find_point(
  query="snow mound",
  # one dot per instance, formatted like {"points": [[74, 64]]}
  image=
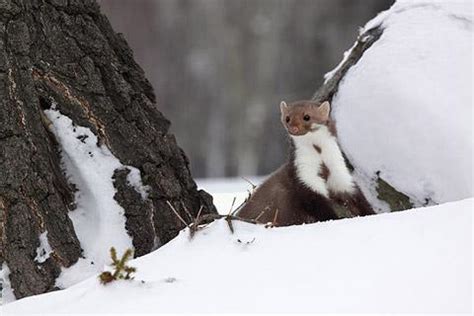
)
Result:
{"points": [[413, 261], [405, 109]]}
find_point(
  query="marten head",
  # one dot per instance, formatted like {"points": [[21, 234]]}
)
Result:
{"points": [[301, 117]]}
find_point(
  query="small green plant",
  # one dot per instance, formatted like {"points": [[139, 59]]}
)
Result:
{"points": [[121, 270]]}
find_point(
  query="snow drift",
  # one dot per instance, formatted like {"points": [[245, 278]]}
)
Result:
{"points": [[405, 109], [412, 261]]}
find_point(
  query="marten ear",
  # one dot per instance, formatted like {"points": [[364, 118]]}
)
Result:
{"points": [[283, 106], [324, 110]]}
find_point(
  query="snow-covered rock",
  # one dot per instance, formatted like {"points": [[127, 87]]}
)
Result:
{"points": [[412, 261], [405, 108]]}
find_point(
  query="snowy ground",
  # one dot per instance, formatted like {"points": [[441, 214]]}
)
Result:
{"points": [[412, 261]]}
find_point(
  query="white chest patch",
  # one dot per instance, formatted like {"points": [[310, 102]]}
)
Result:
{"points": [[308, 163]]}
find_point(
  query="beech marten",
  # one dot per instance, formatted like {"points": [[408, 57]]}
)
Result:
{"points": [[316, 179]]}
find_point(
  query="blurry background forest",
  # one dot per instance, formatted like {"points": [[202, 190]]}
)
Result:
{"points": [[220, 68]]}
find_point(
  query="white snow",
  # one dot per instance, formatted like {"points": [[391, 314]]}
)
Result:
{"points": [[7, 292], [225, 190], [98, 219], [405, 109], [134, 179], [412, 261], [44, 249], [331, 73]]}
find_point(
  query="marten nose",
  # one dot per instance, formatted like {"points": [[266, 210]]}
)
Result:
{"points": [[294, 129]]}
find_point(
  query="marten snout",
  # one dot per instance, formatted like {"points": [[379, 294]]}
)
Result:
{"points": [[297, 124], [297, 129], [293, 129]]}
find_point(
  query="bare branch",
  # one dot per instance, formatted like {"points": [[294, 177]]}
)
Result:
{"points": [[232, 206], [194, 224], [229, 222], [254, 186], [259, 215], [275, 218], [177, 214], [186, 210], [199, 212]]}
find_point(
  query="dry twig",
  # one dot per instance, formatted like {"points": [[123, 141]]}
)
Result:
{"points": [[177, 214], [275, 217], [254, 186], [232, 206], [208, 218], [199, 212], [186, 210], [259, 215]]}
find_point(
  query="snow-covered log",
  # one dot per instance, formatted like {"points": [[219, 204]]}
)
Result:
{"points": [[402, 101], [86, 159]]}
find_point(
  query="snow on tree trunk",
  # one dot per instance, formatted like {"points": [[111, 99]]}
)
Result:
{"points": [[386, 193], [61, 63], [402, 101]]}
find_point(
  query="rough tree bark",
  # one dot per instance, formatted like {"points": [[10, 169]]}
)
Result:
{"points": [[65, 51], [387, 193]]}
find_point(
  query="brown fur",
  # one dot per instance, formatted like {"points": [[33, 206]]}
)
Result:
{"points": [[356, 203], [296, 204], [324, 172]]}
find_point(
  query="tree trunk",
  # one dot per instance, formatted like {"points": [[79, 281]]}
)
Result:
{"points": [[65, 53], [385, 192]]}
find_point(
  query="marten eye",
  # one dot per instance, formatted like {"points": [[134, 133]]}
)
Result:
{"points": [[288, 119], [306, 117]]}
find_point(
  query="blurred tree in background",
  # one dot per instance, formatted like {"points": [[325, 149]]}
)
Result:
{"points": [[221, 68]]}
